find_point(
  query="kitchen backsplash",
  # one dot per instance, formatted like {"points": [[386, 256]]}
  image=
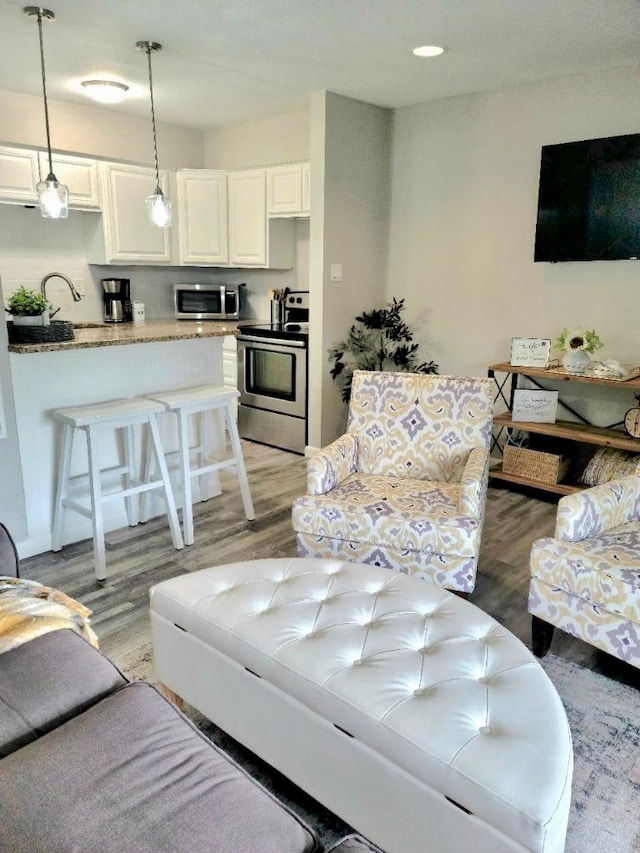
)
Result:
{"points": [[31, 247]]}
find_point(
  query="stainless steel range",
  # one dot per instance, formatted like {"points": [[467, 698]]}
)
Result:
{"points": [[272, 378]]}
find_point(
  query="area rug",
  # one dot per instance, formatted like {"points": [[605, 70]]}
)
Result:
{"points": [[604, 717]]}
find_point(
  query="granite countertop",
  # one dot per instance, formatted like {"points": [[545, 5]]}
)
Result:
{"points": [[89, 335]]}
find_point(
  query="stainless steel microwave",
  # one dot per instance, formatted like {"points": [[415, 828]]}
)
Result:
{"points": [[207, 301]]}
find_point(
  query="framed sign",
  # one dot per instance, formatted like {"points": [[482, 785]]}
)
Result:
{"points": [[530, 352], [534, 406]]}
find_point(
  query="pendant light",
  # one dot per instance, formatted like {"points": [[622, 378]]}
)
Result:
{"points": [[158, 205], [52, 195]]}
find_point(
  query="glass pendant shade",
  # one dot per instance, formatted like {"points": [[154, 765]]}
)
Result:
{"points": [[53, 198], [159, 209], [158, 206], [52, 195]]}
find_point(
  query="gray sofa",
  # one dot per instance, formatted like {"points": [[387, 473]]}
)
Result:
{"points": [[92, 762]]}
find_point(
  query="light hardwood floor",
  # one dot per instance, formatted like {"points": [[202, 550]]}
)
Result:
{"points": [[139, 557]]}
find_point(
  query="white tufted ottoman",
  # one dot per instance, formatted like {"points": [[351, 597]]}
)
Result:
{"points": [[404, 709]]}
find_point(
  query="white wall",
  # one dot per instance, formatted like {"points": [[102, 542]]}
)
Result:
{"points": [[350, 157], [97, 132], [266, 141], [463, 214]]}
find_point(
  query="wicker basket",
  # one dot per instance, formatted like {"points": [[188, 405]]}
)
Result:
{"points": [[534, 464], [57, 330]]}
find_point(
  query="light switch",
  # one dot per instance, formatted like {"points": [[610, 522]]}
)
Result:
{"points": [[336, 272]]}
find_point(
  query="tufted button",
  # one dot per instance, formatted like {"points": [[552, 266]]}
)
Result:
{"points": [[484, 679], [484, 730], [426, 650], [357, 662], [419, 691]]}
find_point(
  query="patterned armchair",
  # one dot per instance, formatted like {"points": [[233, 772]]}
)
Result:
{"points": [[586, 579], [405, 487]]}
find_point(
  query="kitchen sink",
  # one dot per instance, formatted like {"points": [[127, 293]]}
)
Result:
{"points": [[89, 325]]}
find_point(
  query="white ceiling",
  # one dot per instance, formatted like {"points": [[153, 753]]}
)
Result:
{"points": [[227, 60]]}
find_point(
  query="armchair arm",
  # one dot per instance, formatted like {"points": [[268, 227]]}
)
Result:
{"points": [[473, 484], [586, 514], [331, 465]]}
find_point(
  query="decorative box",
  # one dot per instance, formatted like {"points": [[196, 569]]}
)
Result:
{"points": [[534, 464]]}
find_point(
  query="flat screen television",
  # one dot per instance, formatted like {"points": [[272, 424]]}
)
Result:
{"points": [[589, 200]]}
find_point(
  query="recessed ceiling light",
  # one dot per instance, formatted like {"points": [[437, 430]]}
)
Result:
{"points": [[105, 91], [429, 50]]}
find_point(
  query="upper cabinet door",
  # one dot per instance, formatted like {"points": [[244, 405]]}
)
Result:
{"points": [[128, 234], [79, 175], [284, 189], [18, 176], [288, 190], [248, 218], [202, 206]]}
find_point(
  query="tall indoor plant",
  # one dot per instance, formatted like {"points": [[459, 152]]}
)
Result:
{"points": [[378, 340]]}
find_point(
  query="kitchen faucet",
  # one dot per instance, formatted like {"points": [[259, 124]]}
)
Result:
{"points": [[43, 287]]}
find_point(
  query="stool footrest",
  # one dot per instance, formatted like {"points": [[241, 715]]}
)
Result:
{"points": [[76, 507], [214, 466]]}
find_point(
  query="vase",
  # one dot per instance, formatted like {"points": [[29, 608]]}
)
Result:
{"points": [[31, 319], [576, 361]]}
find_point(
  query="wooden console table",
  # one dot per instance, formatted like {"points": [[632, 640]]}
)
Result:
{"points": [[581, 432]]}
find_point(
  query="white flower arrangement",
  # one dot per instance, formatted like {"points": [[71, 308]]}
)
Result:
{"points": [[571, 340]]}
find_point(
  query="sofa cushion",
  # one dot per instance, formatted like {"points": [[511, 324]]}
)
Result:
{"points": [[410, 515], [604, 571], [9, 562], [48, 680], [131, 773], [354, 844]]}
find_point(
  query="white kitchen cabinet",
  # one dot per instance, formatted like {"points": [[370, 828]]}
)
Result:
{"points": [[288, 190], [18, 176], [123, 234], [306, 188], [254, 239], [79, 175], [202, 216], [248, 218]]}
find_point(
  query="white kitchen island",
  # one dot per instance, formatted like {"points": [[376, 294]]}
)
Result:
{"points": [[102, 363]]}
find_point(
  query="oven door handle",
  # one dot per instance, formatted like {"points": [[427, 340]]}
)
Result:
{"points": [[266, 341]]}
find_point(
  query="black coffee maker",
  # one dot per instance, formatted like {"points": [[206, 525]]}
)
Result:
{"points": [[117, 300]]}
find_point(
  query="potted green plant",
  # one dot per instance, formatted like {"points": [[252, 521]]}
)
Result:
{"points": [[28, 307], [378, 340]]}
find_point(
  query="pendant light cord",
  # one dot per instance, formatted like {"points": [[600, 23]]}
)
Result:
{"points": [[44, 90], [153, 122]]}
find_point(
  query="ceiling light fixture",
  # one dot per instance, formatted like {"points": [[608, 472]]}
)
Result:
{"points": [[429, 50], [105, 91], [158, 206], [52, 195]]}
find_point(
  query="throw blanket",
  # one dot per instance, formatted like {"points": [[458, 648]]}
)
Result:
{"points": [[28, 609]]}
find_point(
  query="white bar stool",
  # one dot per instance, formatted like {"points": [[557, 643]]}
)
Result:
{"points": [[94, 421], [200, 400]]}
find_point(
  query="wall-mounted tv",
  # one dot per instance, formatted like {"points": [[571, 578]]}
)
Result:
{"points": [[589, 200]]}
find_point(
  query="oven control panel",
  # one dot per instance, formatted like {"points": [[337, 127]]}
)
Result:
{"points": [[297, 300]]}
